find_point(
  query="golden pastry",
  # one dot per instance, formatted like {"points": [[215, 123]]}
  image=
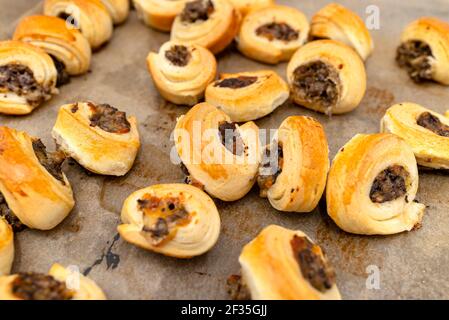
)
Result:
{"points": [[27, 77], [427, 132], [59, 284], [336, 22], [246, 96], [212, 24], [246, 6], [118, 9], [327, 76], [424, 50], [283, 264], [68, 47], [273, 34], [447, 114], [218, 155], [176, 220], [181, 72], [159, 14], [372, 186], [6, 246], [31, 181], [293, 172], [98, 136], [91, 17]]}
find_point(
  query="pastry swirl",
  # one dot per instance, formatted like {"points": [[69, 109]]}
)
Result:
{"points": [[246, 6], [181, 72], [6, 247], [327, 76], [159, 14], [372, 186], [246, 96], [176, 220], [118, 9]]}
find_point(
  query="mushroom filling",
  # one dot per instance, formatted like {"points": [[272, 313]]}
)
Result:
{"points": [[20, 79], [316, 83], [432, 123], [108, 118], [230, 137], [415, 57], [236, 83], [162, 216], [197, 10], [277, 31], [389, 185], [312, 263], [51, 161], [270, 168], [35, 286], [178, 55], [63, 76], [10, 217], [237, 290]]}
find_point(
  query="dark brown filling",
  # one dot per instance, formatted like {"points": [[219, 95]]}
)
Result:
{"points": [[277, 31], [317, 83], [236, 289], [70, 19], [35, 286], [389, 185], [109, 118], [270, 168], [415, 56], [230, 137], [20, 79], [51, 161], [236, 83], [189, 179], [432, 123], [10, 217], [197, 10], [178, 55], [312, 263], [63, 76]]}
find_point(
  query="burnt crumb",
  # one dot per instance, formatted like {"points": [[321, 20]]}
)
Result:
{"points": [[389, 185], [231, 138], [236, 289], [51, 161], [313, 265], [277, 31], [197, 10], [178, 55], [109, 118], [63, 76], [415, 56], [270, 168], [236, 83], [432, 123], [10, 217], [35, 286], [74, 108]]}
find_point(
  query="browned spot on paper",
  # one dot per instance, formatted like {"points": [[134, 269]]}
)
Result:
{"points": [[377, 101]]}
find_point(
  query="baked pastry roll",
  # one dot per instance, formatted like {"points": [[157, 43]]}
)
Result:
{"points": [[6, 247], [246, 6], [424, 50], [212, 24], [159, 14], [118, 9], [293, 171], [218, 155], [98, 136], [91, 17], [327, 76], [68, 48], [282, 264], [181, 72], [425, 131], [248, 96], [27, 77], [273, 34], [176, 220], [372, 186], [59, 284], [32, 183]]}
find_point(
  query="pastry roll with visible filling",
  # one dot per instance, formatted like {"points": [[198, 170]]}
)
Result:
{"points": [[6, 246], [293, 171], [181, 72], [327, 76], [283, 264], [372, 186], [424, 50], [246, 96], [212, 24], [98, 136], [91, 17], [336, 22], [32, 184], [246, 6], [217, 154], [27, 77], [59, 284], [159, 14], [425, 131], [272, 34], [176, 220], [118, 9]]}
